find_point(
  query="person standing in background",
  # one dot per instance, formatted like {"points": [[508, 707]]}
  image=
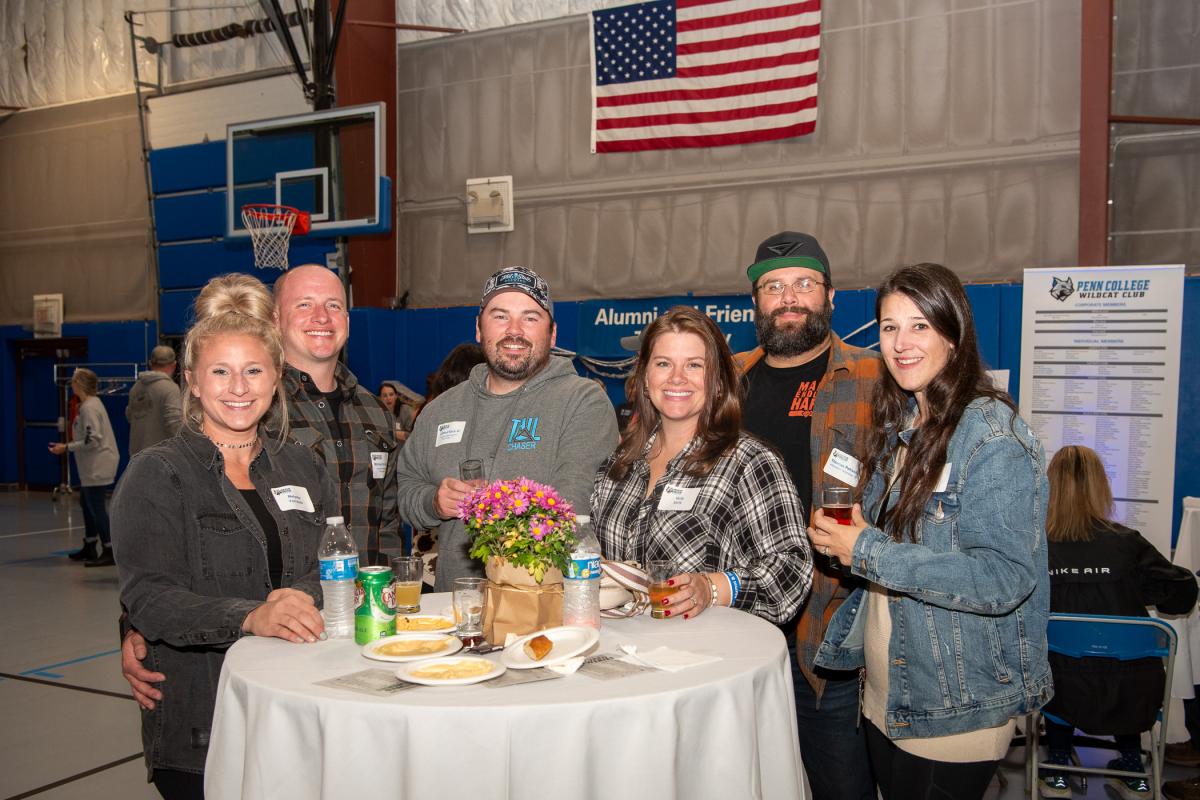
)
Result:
{"points": [[154, 405], [96, 458]]}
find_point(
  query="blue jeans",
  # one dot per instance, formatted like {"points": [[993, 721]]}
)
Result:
{"points": [[95, 513], [833, 743]]}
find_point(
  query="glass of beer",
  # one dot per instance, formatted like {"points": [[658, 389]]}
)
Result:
{"points": [[660, 572], [836, 503], [407, 573]]}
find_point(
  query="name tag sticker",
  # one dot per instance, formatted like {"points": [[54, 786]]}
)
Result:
{"points": [[944, 480], [450, 432], [378, 465], [292, 498], [678, 498], [843, 466]]}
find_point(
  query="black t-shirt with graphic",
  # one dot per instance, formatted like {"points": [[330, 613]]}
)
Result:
{"points": [[779, 408]]}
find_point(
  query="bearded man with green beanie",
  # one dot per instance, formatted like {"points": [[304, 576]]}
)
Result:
{"points": [[808, 393]]}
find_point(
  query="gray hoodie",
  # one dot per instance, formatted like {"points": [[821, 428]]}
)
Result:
{"points": [[93, 444], [554, 429], [154, 410]]}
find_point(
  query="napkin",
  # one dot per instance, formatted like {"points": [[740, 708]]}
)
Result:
{"points": [[666, 658], [567, 666]]}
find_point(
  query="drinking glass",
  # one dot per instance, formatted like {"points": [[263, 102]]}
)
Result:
{"points": [[471, 471], [660, 572], [835, 502], [407, 573], [468, 606]]}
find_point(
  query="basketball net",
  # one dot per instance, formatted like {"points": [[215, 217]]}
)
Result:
{"points": [[271, 228]]}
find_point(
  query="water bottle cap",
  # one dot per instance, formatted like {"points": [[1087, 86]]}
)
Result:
{"points": [[334, 520], [583, 519]]}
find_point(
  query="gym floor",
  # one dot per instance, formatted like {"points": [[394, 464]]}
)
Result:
{"points": [[73, 730]]}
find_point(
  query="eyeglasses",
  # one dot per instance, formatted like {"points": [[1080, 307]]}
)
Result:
{"points": [[800, 286]]}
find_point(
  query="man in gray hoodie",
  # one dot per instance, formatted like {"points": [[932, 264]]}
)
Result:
{"points": [[154, 404], [523, 413]]}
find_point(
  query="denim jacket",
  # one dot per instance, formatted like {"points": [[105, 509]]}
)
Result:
{"points": [[969, 601], [192, 560]]}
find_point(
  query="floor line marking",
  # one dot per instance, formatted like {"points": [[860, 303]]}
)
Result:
{"points": [[76, 777], [61, 685], [38, 670], [38, 533]]}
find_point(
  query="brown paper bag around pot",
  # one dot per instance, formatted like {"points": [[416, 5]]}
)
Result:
{"points": [[518, 604]]}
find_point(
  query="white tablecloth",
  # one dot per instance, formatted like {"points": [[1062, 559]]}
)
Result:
{"points": [[1187, 656], [725, 729]]}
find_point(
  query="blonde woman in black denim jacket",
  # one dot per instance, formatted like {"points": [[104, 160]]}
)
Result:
{"points": [[216, 530]]}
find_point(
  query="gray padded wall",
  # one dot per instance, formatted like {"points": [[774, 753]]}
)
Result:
{"points": [[948, 131]]}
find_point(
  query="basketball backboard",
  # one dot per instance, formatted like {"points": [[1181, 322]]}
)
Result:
{"points": [[328, 163]]}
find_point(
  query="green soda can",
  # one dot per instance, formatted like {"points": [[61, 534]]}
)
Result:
{"points": [[374, 604]]}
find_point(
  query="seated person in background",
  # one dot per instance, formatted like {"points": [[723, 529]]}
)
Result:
{"points": [[686, 484], [216, 529], [402, 403], [1098, 566]]}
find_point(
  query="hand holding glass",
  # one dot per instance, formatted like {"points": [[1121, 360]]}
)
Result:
{"points": [[835, 502], [407, 572], [660, 572], [468, 606]]}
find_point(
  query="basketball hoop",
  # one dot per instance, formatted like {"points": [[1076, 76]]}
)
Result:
{"points": [[271, 228]]}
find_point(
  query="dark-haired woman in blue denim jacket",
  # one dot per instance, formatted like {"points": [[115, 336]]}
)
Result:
{"points": [[951, 631]]}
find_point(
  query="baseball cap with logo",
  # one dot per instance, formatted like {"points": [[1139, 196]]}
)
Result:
{"points": [[789, 249], [518, 279]]}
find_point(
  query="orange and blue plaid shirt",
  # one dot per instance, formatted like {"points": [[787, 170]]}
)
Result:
{"points": [[842, 419]]}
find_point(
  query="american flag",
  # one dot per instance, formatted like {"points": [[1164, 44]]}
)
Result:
{"points": [[703, 73]]}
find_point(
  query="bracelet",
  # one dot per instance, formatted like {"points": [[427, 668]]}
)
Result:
{"points": [[712, 591], [735, 586]]}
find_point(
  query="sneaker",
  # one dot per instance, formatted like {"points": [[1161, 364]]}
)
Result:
{"points": [[1188, 789], [1129, 788], [105, 559], [1183, 754], [85, 553], [1054, 786]]}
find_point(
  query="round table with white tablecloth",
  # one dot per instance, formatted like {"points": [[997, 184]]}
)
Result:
{"points": [[721, 729]]}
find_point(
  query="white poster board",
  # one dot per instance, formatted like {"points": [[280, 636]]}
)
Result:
{"points": [[1100, 367]]}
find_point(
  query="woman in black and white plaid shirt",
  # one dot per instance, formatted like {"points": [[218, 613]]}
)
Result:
{"points": [[686, 484]]}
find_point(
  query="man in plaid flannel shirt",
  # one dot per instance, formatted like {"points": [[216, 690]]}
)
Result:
{"points": [[330, 412], [808, 393]]}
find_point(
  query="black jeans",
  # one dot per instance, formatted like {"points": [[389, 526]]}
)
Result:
{"points": [[903, 776], [175, 784], [1058, 737], [95, 512], [833, 743]]}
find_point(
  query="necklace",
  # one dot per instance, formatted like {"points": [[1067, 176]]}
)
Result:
{"points": [[243, 446]]}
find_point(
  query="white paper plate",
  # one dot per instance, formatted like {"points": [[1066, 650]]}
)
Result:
{"points": [[452, 645], [569, 641], [437, 622], [405, 673]]}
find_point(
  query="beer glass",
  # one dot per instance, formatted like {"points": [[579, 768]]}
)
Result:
{"points": [[660, 572], [835, 502], [407, 572]]}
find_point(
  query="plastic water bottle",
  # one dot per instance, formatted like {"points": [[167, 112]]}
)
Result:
{"points": [[339, 567], [581, 584]]}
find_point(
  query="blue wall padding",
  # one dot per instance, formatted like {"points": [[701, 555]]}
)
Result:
{"points": [[191, 265], [258, 159], [175, 311], [1187, 432], [190, 216], [192, 166]]}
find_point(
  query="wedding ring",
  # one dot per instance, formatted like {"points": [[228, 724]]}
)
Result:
{"points": [[827, 550]]}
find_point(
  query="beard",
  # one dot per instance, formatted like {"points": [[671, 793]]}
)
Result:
{"points": [[793, 339], [523, 368]]}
